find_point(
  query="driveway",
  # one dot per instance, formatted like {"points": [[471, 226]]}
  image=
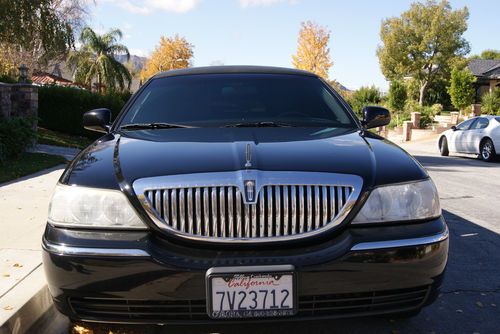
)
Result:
{"points": [[470, 298]]}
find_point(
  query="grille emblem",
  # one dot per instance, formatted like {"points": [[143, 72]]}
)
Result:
{"points": [[248, 164], [250, 190]]}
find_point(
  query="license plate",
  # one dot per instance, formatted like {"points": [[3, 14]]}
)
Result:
{"points": [[251, 292]]}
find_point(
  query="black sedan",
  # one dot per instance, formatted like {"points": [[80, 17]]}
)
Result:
{"points": [[237, 194]]}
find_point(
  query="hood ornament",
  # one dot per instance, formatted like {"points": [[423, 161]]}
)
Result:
{"points": [[248, 164], [250, 190]]}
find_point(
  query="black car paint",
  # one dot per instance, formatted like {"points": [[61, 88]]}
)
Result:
{"points": [[120, 157], [177, 272], [148, 153], [117, 160]]}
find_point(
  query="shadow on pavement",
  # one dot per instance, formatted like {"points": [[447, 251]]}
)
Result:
{"points": [[37, 174], [469, 301], [430, 161]]}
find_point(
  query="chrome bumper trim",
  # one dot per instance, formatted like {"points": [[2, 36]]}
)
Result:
{"points": [[128, 252], [364, 246], [88, 251]]}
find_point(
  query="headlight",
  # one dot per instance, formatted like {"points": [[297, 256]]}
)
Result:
{"points": [[409, 201], [92, 208]]}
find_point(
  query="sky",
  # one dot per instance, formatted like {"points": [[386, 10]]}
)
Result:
{"points": [[264, 32]]}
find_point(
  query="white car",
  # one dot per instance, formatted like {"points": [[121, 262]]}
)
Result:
{"points": [[478, 135]]}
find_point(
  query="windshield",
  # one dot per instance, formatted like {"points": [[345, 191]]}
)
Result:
{"points": [[209, 100]]}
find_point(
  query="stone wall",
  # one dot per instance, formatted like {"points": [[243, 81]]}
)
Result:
{"points": [[19, 100]]}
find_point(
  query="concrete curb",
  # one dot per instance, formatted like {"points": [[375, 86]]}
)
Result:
{"points": [[30, 300]]}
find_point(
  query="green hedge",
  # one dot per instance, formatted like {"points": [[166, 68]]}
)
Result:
{"points": [[16, 134], [62, 108]]}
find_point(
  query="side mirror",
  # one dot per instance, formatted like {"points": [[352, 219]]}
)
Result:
{"points": [[374, 116], [97, 120], [454, 128]]}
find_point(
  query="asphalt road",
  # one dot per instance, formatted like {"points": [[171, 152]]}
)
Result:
{"points": [[470, 300]]}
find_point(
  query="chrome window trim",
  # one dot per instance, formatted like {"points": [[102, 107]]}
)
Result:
{"points": [[398, 243], [61, 249], [237, 179]]}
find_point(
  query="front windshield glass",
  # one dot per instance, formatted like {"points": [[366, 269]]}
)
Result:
{"points": [[208, 100]]}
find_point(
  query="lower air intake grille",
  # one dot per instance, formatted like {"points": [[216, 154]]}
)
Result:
{"points": [[195, 310]]}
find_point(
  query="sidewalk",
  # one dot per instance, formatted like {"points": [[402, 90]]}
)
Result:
{"points": [[23, 214], [427, 146]]}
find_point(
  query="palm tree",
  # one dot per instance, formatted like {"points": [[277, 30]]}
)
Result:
{"points": [[95, 60]]}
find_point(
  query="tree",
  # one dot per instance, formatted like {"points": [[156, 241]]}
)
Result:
{"points": [[313, 54], [461, 88], [396, 99], [397, 96], [423, 43], [172, 53], [363, 97], [38, 32], [488, 54], [96, 60]]}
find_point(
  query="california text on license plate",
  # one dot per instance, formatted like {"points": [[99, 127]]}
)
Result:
{"points": [[250, 292]]}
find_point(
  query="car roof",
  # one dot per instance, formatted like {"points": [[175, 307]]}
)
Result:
{"points": [[484, 116], [233, 69]]}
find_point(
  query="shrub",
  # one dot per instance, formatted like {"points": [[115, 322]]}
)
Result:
{"points": [[461, 88], [7, 79], [397, 96], [437, 108], [363, 97], [16, 134], [426, 116], [490, 102], [62, 108], [426, 113], [405, 114]]}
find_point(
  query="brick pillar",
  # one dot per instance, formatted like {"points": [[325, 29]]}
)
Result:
{"points": [[383, 131], [24, 99], [454, 117], [24, 102], [415, 119], [5, 101], [407, 126]]}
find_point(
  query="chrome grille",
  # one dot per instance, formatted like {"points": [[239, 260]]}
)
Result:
{"points": [[280, 210], [221, 207]]}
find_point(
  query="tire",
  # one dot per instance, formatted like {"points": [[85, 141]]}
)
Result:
{"points": [[487, 150], [443, 147]]}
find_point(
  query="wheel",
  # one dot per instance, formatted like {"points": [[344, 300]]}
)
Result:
{"points": [[487, 150], [443, 147]]}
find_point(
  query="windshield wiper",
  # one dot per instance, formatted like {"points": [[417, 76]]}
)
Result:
{"points": [[139, 126], [267, 124]]}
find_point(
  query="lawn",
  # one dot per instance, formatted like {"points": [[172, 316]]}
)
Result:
{"points": [[50, 137], [28, 163]]}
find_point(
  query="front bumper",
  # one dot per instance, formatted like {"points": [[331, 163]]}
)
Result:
{"points": [[134, 277]]}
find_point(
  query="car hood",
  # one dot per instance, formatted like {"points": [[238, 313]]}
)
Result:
{"points": [[117, 160]]}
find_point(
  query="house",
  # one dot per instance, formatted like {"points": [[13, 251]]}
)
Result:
{"points": [[487, 72], [40, 78]]}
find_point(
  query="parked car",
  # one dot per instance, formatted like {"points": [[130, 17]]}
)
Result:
{"points": [[478, 135], [241, 193]]}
